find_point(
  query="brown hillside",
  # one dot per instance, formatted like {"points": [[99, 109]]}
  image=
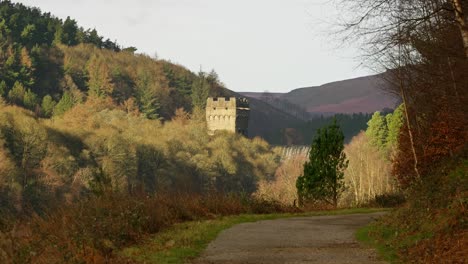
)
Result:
{"points": [[364, 94]]}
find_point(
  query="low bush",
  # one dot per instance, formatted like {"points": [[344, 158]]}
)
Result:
{"points": [[389, 200], [92, 230], [431, 226]]}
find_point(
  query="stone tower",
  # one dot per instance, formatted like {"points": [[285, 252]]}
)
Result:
{"points": [[231, 114]]}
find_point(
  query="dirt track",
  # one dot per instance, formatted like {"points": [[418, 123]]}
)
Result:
{"points": [[317, 239]]}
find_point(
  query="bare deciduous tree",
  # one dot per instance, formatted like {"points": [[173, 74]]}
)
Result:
{"points": [[423, 46], [368, 173]]}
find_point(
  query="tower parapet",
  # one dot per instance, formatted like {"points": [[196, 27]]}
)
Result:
{"points": [[231, 114]]}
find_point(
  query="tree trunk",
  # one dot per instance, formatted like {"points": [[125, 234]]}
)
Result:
{"points": [[335, 198], [454, 81], [410, 133], [462, 23], [405, 104]]}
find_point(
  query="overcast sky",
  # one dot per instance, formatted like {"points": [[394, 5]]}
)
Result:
{"points": [[253, 45]]}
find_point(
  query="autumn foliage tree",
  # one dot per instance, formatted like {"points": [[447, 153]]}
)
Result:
{"points": [[282, 187], [42, 56], [423, 45], [368, 174]]}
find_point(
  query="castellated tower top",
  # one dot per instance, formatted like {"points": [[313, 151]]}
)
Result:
{"points": [[231, 114]]}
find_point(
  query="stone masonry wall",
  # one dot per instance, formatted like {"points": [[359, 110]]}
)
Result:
{"points": [[231, 114]]}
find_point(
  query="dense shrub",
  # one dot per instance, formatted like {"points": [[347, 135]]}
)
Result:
{"points": [[368, 179], [95, 228], [389, 200], [282, 187], [431, 227], [97, 148]]}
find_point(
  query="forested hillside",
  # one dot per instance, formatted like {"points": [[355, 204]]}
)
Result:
{"points": [[88, 125], [82, 115], [48, 65], [97, 148]]}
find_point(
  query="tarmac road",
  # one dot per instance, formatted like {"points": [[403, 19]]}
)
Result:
{"points": [[316, 239]]}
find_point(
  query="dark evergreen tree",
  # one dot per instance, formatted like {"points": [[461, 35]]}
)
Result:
{"points": [[200, 91], [68, 33], [4, 32], [3, 89], [149, 105], [28, 35], [147, 98], [130, 49], [323, 178], [91, 36]]}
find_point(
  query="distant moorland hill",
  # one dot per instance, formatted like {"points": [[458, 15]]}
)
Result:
{"points": [[359, 95], [293, 117]]}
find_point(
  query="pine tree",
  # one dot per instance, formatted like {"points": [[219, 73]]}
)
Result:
{"points": [[11, 65], [67, 33], [3, 88], [16, 94], [28, 34], [26, 69], [200, 92], [64, 104], [91, 36], [149, 105], [147, 98], [377, 130], [100, 81], [30, 100], [48, 105], [323, 178], [394, 123], [4, 31]]}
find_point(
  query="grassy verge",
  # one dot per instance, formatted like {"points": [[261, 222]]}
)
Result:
{"points": [[432, 226], [187, 240], [364, 235]]}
